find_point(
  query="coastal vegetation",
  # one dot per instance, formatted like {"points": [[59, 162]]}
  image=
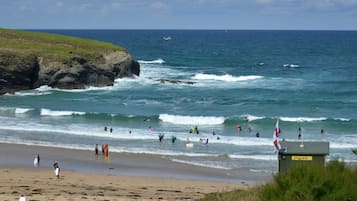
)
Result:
{"points": [[336, 181], [52, 47], [32, 59]]}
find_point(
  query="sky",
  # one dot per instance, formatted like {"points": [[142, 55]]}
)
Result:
{"points": [[179, 14]]}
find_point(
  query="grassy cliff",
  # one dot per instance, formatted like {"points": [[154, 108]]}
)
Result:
{"points": [[32, 59], [51, 47]]}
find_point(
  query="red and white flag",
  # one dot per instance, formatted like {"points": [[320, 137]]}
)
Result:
{"points": [[276, 136]]}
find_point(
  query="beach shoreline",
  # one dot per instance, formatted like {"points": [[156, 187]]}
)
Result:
{"points": [[126, 171]]}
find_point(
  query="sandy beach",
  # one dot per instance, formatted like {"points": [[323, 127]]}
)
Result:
{"points": [[85, 176]]}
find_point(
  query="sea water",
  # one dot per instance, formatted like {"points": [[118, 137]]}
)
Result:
{"points": [[305, 79]]}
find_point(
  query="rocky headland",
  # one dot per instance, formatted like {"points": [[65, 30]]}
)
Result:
{"points": [[31, 59]]}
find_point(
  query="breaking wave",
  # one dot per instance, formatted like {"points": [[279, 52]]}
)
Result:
{"points": [[226, 77], [191, 120]]}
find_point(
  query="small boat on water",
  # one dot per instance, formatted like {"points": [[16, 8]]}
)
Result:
{"points": [[167, 38]]}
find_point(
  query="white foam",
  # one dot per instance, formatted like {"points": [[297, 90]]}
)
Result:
{"points": [[47, 112], [201, 164], [191, 120], [250, 118], [22, 110], [255, 157], [35, 93], [156, 61], [225, 78], [291, 65], [44, 88], [342, 119], [302, 119]]}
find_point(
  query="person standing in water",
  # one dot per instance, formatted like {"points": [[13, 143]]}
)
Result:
{"points": [[300, 132], [96, 149]]}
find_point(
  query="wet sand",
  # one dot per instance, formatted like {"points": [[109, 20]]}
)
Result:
{"points": [[85, 176]]}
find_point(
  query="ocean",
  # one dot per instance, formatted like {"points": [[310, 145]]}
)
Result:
{"points": [[305, 79]]}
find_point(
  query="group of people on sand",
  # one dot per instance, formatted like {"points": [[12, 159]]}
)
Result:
{"points": [[105, 151], [36, 163]]}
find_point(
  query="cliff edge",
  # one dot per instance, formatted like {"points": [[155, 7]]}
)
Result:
{"points": [[31, 59]]}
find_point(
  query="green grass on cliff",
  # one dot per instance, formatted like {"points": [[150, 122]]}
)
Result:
{"points": [[335, 182], [51, 47]]}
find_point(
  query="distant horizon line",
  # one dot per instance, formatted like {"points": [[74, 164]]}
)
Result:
{"points": [[139, 29]]}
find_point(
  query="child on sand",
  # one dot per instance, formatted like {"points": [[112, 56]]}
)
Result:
{"points": [[57, 169]]}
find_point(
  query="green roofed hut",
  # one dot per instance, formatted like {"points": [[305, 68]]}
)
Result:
{"points": [[293, 153]]}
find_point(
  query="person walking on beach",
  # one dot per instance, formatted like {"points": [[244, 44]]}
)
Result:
{"points": [[36, 161], [22, 198], [57, 169], [103, 152]]}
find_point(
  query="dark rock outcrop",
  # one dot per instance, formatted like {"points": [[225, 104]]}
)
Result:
{"points": [[19, 72]]}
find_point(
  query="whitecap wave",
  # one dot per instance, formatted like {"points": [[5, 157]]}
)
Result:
{"points": [[291, 66], [47, 112], [302, 119], [226, 77], [191, 120], [250, 118], [11, 110], [156, 61], [22, 110], [342, 119]]}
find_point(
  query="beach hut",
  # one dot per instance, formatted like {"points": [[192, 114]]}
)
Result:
{"points": [[293, 153]]}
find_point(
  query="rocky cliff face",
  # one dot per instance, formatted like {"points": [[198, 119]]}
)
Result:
{"points": [[29, 71]]}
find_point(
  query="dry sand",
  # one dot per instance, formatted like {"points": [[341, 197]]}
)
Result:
{"points": [[41, 184], [85, 176]]}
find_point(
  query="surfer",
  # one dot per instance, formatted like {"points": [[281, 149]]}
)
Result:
{"points": [[111, 130], [322, 131], [239, 128], [105, 128], [173, 139], [257, 135], [146, 119], [188, 140], [206, 141], [188, 143], [161, 136], [196, 130], [213, 133], [300, 132]]}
